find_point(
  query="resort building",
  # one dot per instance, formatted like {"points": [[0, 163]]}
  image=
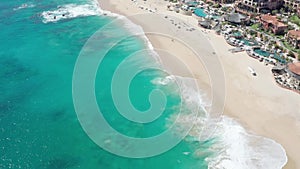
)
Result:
{"points": [[293, 4], [288, 76], [293, 37], [270, 22], [235, 18], [294, 70], [257, 6]]}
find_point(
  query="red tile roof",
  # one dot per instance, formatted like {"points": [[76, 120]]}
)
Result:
{"points": [[271, 19], [294, 34], [294, 67]]}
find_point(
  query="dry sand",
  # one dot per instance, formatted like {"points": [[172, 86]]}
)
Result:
{"points": [[256, 102]]}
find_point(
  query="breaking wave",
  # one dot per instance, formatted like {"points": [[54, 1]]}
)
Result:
{"points": [[23, 6], [70, 11], [233, 146]]}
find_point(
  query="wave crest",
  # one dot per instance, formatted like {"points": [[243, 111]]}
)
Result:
{"points": [[23, 6], [232, 146], [71, 11], [163, 81]]}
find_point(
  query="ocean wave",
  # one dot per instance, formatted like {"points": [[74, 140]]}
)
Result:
{"points": [[23, 6], [163, 80], [136, 30], [233, 147], [71, 11], [236, 149]]}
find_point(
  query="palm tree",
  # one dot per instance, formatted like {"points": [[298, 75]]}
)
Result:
{"points": [[298, 55]]}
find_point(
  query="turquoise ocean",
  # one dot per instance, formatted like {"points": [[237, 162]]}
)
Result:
{"points": [[39, 129]]}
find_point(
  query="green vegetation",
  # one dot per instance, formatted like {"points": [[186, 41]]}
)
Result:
{"points": [[274, 12], [210, 3], [255, 26], [290, 27], [280, 37], [289, 47], [224, 9], [280, 18], [252, 33], [292, 50], [217, 5], [291, 54], [282, 11], [278, 47], [295, 19]]}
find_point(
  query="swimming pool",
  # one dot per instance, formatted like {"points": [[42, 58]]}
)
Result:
{"points": [[268, 54], [262, 52], [279, 58], [248, 42], [200, 12]]}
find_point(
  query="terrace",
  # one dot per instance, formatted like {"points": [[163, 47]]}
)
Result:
{"points": [[288, 76]]}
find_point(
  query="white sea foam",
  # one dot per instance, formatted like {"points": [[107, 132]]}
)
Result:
{"points": [[93, 8], [70, 11], [234, 148], [192, 95], [137, 30], [23, 6], [163, 80], [238, 149]]}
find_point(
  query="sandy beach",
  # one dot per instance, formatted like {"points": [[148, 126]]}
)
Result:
{"points": [[261, 106]]}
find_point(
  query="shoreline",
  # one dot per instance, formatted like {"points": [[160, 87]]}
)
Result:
{"points": [[266, 109]]}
